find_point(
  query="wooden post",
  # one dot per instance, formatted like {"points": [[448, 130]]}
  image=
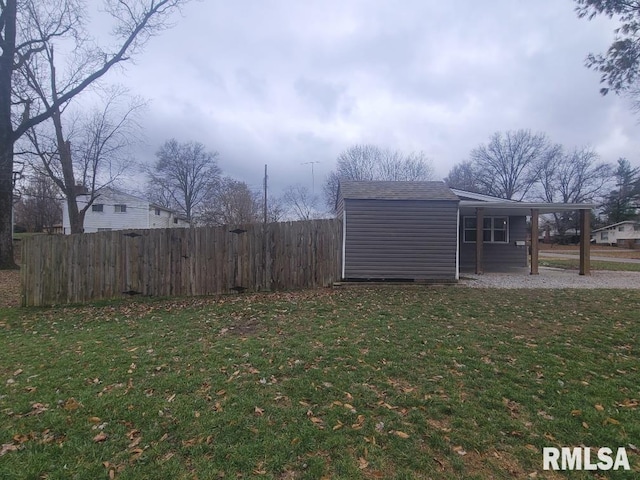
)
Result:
{"points": [[534, 241], [479, 240], [585, 242]]}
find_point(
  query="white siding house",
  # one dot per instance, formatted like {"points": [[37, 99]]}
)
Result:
{"points": [[115, 210], [622, 234]]}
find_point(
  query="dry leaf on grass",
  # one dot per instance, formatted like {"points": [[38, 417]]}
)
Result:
{"points": [[8, 447]]}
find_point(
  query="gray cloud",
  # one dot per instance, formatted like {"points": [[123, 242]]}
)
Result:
{"points": [[284, 82]]}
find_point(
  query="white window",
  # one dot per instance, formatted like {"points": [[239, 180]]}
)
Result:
{"points": [[621, 228], [604, 235], [97, 207], [157, 211], [120, 208], [636, 228], [494, 229]]}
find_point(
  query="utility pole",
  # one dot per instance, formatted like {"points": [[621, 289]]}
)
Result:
{"points": [[265, 194], [313, 180]]}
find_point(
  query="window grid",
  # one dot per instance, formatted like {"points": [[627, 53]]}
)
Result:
{"points": [[494, 230]]}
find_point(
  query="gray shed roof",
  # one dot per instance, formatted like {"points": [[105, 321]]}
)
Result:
{"points": [[377, 190]]}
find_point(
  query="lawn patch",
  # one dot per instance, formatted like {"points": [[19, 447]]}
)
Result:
{"points": [[356, 383]]}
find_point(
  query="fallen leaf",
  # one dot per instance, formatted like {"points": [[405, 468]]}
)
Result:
{"points": [[628, 403], [359, 422], [545, 415], [599, 407], [71, 404], [400, 434], [20, 438], [8, 447], [94, 419], [258, 411], [611, 421], [171, 398], [459, 450], [38, 408], [135, 442], [576, 413], [362, 463], [101, 437]]}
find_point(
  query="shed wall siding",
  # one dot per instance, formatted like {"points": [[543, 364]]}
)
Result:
{"points": [[400, 239], [498, 257]]}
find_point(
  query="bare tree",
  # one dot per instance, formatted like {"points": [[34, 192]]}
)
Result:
{"points": [[39, 207], [369, 162], [97, 145], [464, 176], [184, 175], [276, 209], [301, 203], [29, 31], [231, 203], [574, 177], [506, 166]]}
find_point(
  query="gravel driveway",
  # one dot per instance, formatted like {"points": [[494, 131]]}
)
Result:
{"points": [[553, 278]]}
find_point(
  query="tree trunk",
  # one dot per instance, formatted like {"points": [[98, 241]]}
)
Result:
{"points": [[8, 34], [76, 220], [6, 203]]}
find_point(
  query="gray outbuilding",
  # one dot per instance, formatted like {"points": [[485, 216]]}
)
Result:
{"points": [[425, 231], [399, 231]]}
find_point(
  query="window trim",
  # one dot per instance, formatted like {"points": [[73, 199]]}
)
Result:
{"points": [[95, 209], [120, 208], [491, 229]]}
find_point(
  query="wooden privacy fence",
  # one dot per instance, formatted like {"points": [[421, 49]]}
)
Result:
{"points": [[58, 269]]}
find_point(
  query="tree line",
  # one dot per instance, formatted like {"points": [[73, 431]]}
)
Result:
{"points": [[521, 165]]}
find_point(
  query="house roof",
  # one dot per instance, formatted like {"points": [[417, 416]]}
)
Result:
{"points": [[469, 201], [614, 225], [390, 190]]}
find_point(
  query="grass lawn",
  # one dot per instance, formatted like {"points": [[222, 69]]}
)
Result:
{"points": [[597, 250], [574, 264], [357, 383]]}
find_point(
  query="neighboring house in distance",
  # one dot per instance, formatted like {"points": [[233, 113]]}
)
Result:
{"points": [[623, 234], [115, 210]]}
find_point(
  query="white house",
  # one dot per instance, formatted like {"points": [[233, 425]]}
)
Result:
{"points": [[115, 210], [623, 234]]}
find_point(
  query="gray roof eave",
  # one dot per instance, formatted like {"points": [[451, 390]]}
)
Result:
{"points": [[524, 208]]}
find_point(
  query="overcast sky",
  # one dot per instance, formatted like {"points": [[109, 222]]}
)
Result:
{"points": [[285, 82]]}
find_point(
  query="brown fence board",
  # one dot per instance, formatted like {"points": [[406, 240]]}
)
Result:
{"points": [[59, 269]]}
